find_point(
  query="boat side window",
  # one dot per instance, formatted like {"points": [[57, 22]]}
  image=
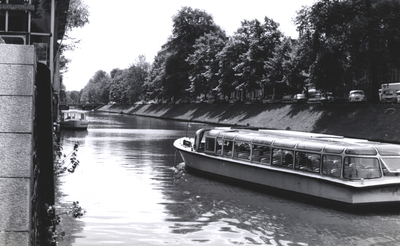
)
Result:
{"points": [[202, 142], [261, 154], [228, 145], [82, 116], [361, 168], [241, 150], [307, 161], [218, 145], [332, 165], [210, 144], [390, 166], [282, 157]]}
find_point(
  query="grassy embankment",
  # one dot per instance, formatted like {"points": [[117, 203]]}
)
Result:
{"points": [[380, 122]]}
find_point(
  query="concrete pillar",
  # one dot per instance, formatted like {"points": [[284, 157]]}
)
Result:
{"points": [[17, 79]]}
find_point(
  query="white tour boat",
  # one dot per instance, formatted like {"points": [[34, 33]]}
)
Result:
{"points": [[346, 170], [73, 119]]}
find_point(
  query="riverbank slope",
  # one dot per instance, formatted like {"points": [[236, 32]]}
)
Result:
{"points": [[379, 122]]}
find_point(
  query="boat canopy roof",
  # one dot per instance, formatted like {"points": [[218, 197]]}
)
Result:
{"points": [[307, 141], [74, 111]]}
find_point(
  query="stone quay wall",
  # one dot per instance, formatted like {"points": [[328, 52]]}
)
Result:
{"points": [[21, 199]]}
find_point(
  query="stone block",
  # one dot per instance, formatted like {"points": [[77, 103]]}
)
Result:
{"points": [[17, 54], [15, 155], [14, 204], [14, 238], [16, 114], [17, 79]]}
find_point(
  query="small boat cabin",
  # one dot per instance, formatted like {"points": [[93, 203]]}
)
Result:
{"points": [[73, 115]]}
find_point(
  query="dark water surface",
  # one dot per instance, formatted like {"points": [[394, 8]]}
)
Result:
{"points": [[131, 184]]}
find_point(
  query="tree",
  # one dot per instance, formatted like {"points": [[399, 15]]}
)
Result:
{"points": [[97, 90], [242, 60], [119, 87], [189, 25], [137, 74], [204, 76], [155, 79], [354, 43], [228, 58], [78, 17], [277, 68], [127, 85], [259, 42], [295, 66]]}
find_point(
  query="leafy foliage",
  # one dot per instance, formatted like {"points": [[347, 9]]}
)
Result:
{"points": [[98, 89], [189, 25], [204, 75], [78, 17], [54, 221], [353, 43], [65, 162], [342, 45], [127, 85], [257, 42]]}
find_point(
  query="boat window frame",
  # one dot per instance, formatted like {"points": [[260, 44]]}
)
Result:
{"points": [[361, 150], [308, 166], [227, 143], [332, 169], [310, 146], [351, 177], [286, 143], [334, 149], [201, 136], [282, 163], [241, 154], [256, 159], [219, 137], [388, 150], [208, 140]]}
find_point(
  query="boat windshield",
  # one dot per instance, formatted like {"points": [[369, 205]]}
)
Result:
{"points": [[361, 168], [391, 165]]}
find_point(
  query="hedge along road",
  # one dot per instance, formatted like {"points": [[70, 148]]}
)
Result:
{"points": [[378, 122]]}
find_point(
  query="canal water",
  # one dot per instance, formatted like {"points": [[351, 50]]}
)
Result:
{"points": [[135, 191]]}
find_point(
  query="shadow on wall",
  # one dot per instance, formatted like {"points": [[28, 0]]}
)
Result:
{"points": [[369, 121]]}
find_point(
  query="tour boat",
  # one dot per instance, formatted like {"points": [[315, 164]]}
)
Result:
{"points": [[336, 168], [74, 119]]}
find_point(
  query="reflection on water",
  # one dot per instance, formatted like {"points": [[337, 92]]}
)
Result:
{"points": [[135, 190]]}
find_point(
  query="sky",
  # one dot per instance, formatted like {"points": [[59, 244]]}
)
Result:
{"points": [[121, 30]]}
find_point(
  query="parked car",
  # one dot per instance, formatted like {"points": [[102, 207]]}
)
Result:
{"points": [[315, 98], [256, 100], [287, 99], [357, 96], [327, 97], [398, 96], [388, 96], [299, 98]]}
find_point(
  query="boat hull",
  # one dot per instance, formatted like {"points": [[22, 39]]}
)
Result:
{"points": [[74, 124], [348, 192]]}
